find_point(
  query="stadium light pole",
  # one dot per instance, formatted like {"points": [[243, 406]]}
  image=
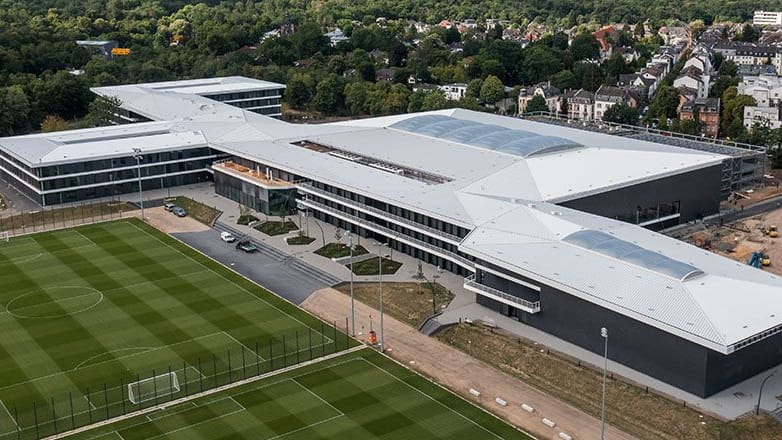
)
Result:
{"points": [[380, 277], [139, 157], [760, 393], [604, 334], [352, 304]]}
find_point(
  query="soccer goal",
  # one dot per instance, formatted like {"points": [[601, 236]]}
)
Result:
{"points": [[5, 236], [146, 389]]}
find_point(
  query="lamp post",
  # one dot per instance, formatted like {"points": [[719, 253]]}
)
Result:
{"points": [[760, 393], [604, 334], [352, 304], [139, 157], [380, 277]]}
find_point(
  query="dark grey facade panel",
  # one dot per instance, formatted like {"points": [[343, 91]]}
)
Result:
{"points": [[697, 193]]}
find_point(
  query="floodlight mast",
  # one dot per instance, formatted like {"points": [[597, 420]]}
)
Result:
{"points": [[139, 157]]}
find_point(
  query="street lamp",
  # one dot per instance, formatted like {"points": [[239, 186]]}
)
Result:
{"points": [[352, 304], [380, 277], [139, 157], [604, 334], [762, 384]]}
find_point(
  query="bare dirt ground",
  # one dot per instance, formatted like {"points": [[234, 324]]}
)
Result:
{"points": [[169, 223], [461, 372], [740, 239]]}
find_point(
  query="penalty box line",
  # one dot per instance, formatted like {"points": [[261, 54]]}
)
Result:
{"points": [[205, 393]]}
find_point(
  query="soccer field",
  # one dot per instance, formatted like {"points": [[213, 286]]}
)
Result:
{"points": [[89, 310], [360, 395]]}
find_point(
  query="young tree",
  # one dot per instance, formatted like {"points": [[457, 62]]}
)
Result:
{"points": [[492, 90], [434, 100], [537, 104], [53, 123], [621, 113], [102, 111], [356, 97], [474, 88]]}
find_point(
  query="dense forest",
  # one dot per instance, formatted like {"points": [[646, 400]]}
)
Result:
{"points": [[38, 50]]}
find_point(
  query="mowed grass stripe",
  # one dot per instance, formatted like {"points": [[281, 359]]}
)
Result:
{"points": [[47, 334], [196, 300]]}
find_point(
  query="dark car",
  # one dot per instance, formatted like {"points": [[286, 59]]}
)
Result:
{"points": [[179, 212], [246, 245]]}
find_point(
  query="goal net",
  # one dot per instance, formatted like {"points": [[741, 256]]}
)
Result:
{"points": [[5, 236], [146, 389]]}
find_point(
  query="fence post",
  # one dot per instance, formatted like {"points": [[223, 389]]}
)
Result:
{"points": [[184, 369], [16, 419], [214, 370], [122, 394], [73, 418], [106, 399], [271, 355], [138, 381], [170, 385], [54, 417], [35, 415], [229, 366], [309, 332], [335, 336], [200, 377], [154, 385], [284, 353], [257, 360], [322, 339], [297, 347], [89, 405], [244, 368], [347, 334]]}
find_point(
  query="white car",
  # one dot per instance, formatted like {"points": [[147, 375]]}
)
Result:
{"points": [[227, 237]]}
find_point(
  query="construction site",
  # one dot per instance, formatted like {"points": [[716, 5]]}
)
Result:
{"points": [[755, 239]]}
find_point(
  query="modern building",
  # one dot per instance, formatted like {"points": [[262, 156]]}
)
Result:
{"points": [[548, 224], [454, 92], [766, 18], [262, 97]]}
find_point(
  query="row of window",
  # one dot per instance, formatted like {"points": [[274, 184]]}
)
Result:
{"points": [[131, 173], [244, 95], [121, 162]]}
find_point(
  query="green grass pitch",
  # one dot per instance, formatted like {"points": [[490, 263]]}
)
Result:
{"points": [[360, 395], [86, 311]]}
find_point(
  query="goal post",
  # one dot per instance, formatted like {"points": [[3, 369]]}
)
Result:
{"points": [[5, 236], [146, 389]]}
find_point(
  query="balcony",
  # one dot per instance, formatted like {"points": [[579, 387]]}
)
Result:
{"points": [[251, 176], [436, 233], [366, 224], [498, 295]]}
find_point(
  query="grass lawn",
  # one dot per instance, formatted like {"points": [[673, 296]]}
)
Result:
{"points": [[246, 219], [276, 228], [644, 415], [90, 309], [369, 267], [339, 250], [360, 395], [199, 211], [300, 240], [407, 302]]}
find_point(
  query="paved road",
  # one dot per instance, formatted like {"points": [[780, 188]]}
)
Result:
{"points": [[284, 275]]}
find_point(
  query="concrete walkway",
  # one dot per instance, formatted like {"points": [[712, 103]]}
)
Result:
{"points": [[727, 404]]}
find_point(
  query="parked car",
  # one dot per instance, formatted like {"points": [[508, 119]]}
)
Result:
{"points": [[227, 237], [179, 212], [169, 206], [246, 245]]}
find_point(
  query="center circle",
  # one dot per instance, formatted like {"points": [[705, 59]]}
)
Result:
{"points": [[54, 302]]}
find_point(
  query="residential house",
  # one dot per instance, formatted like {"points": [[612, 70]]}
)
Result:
{"points": [[580, 105], [608, 96], [756, 114], [628, 53], [551, 94], [708, 111], [693, 81], [384, 75], [766, 18], [336, 36], [454, 92], [673, 34]]}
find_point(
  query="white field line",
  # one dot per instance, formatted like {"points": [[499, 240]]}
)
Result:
{"points": [[138, 350], [234, 401], [119, 435], [213, 391], [245, 347], [9, 417], [209, 420], [171, 413], [429, 397], [226, 279], [85, 237], [314, 394], [89, 402], [163, 347], [305, 427]]}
